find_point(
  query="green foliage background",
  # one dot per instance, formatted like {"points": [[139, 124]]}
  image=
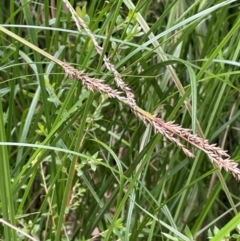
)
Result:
{"points": [[73, 161]]}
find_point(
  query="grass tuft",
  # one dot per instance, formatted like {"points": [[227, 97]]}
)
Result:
{"points": [[83, 160]]}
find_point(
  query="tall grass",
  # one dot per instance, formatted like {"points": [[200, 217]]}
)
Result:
{"points": [[99, 158]]}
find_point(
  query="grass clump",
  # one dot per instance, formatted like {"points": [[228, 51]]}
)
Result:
{"points": [[123, 153]]}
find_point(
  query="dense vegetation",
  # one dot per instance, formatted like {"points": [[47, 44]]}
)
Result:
{"points": [[82, 161]]}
